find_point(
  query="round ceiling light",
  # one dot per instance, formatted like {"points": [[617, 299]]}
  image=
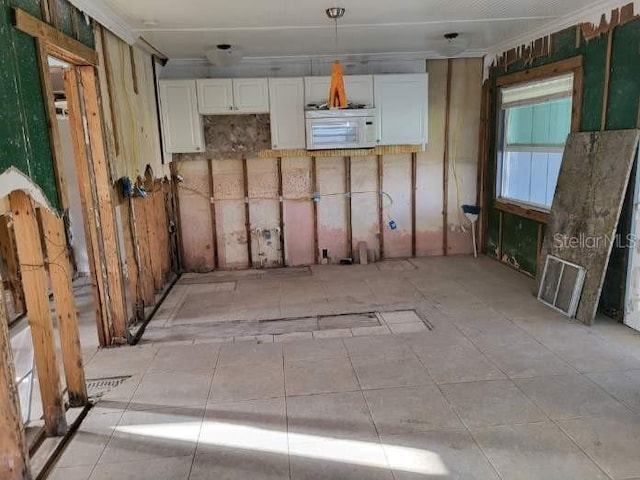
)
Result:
{"points": [[453, 45], [335, 13], [224, 55]]}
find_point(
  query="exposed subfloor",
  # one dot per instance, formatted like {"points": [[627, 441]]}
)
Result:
{"points": [[487, 384]]}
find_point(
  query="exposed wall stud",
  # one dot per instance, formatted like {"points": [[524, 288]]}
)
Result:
{"points": [[381, 205], [607, 79], [214, 226], [60, 274], [14, 457], [35, 283], [445, 163], [247, 210], [134, 72], [314, 192], [281, 209], [108, 73], [348, 203], [414, 173], [8, 253]]}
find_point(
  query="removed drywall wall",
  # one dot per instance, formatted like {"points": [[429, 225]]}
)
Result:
{"points": [[584, 214]]}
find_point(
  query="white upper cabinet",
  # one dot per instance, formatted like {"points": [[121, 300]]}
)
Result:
{"points": [[359, 89], [251, 95], [401, 101], [215, 96], [286, 96], [182, 129], [230, 96]]}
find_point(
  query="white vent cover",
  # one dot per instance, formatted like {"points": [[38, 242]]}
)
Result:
{"points": [[561, 285]]}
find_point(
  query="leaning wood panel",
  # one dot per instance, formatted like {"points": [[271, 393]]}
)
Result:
{"points": [[584, 214], [60, 274], [14, 458], [99, 162], [34, 279], [10, 259], [86, 186]]}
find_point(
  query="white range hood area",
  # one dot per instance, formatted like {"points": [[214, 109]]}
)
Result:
{"points": [[392, 110]]}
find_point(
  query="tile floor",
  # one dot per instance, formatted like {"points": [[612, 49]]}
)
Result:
{"points": [[501, 388]]}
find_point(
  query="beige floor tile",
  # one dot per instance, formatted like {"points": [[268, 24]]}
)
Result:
{"points": [[253, 425], [247, 381], [334, 415], [320, 376], [527, 360], [171, 389], [314, 350], [334, 333], [174, 468], [406, 316], [293, 337], [90, 440], [376, 345], [390, 371], [570, 396], [410, 410], [239, 464], [250, 353], [398, 328], [490, 403], [312, 469], [613, 442], [147, 435], [71, 473], [625, 386], [534, 452], [191, 358], [458, 364], [437, 454]]}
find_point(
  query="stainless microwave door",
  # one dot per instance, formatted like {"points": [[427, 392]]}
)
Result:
{"points": [[331, 133]]}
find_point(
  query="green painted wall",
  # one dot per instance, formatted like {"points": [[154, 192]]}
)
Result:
{"points": [[519, 235], [24, 135]]}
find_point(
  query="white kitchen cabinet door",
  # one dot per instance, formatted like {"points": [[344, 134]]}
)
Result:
{"points": [[182, 129], [359, 89], [401, 101], [250, 95], [286, 97], [215, 96]]}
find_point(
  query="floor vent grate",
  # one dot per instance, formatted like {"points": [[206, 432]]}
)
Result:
{"points": [[97, 387]]}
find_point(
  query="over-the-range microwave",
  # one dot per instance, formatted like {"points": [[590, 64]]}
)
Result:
{"points": [[341, 128]]}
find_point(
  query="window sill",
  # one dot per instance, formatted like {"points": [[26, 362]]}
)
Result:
{"points": [[522, 210]]}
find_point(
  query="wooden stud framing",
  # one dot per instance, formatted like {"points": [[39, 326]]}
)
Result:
{"points": [[152, 229], [281, 211], [347, 186], [52, 121], [14, 457], [247, 210], [314, 188], [414, 173], [108, 73], [445, 163], [500, 232], [522, 211], [9, 256], [539, 244], [483, 152], [357, 152], [100, 172], [34, 279], [163, 227], [58, 44], [140, 219], [607, 79], [55, 241], [87, 186], [176, 212], [214, 226], [381, 205]]}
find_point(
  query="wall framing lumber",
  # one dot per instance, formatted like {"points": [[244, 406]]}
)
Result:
{"points": [[281, 212], [34, 279], [380, 205], [140, 220], [163, 228], [531, 213], [361, 152], [86, 185], [414, 173], [60, 273], [14, 457], [9, 256], [108, 77], [131, 252], [314, 192], [214, 227], [445, 162], [58, 44], [348, 205], [100, 165], [247, 210], [607, 81], [153, 234]]}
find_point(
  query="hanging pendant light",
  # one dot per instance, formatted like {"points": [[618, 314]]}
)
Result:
{"points": [[337, 94]]}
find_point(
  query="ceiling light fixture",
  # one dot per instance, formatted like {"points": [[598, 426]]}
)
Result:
{"points": [[224, 55], [453, 45]]}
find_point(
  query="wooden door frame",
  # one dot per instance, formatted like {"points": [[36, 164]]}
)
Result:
{"points": [[91, 164]]}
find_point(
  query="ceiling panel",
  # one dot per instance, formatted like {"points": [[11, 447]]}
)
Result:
{"points": [[300, 27]]}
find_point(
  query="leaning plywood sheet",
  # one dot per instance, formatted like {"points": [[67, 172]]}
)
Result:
{"points": [[586, 208]]}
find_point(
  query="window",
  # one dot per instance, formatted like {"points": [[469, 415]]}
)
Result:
{"points": [[536, 119]]}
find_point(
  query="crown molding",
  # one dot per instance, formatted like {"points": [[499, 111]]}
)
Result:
{"points": [[591, 13], [102, 13]]}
